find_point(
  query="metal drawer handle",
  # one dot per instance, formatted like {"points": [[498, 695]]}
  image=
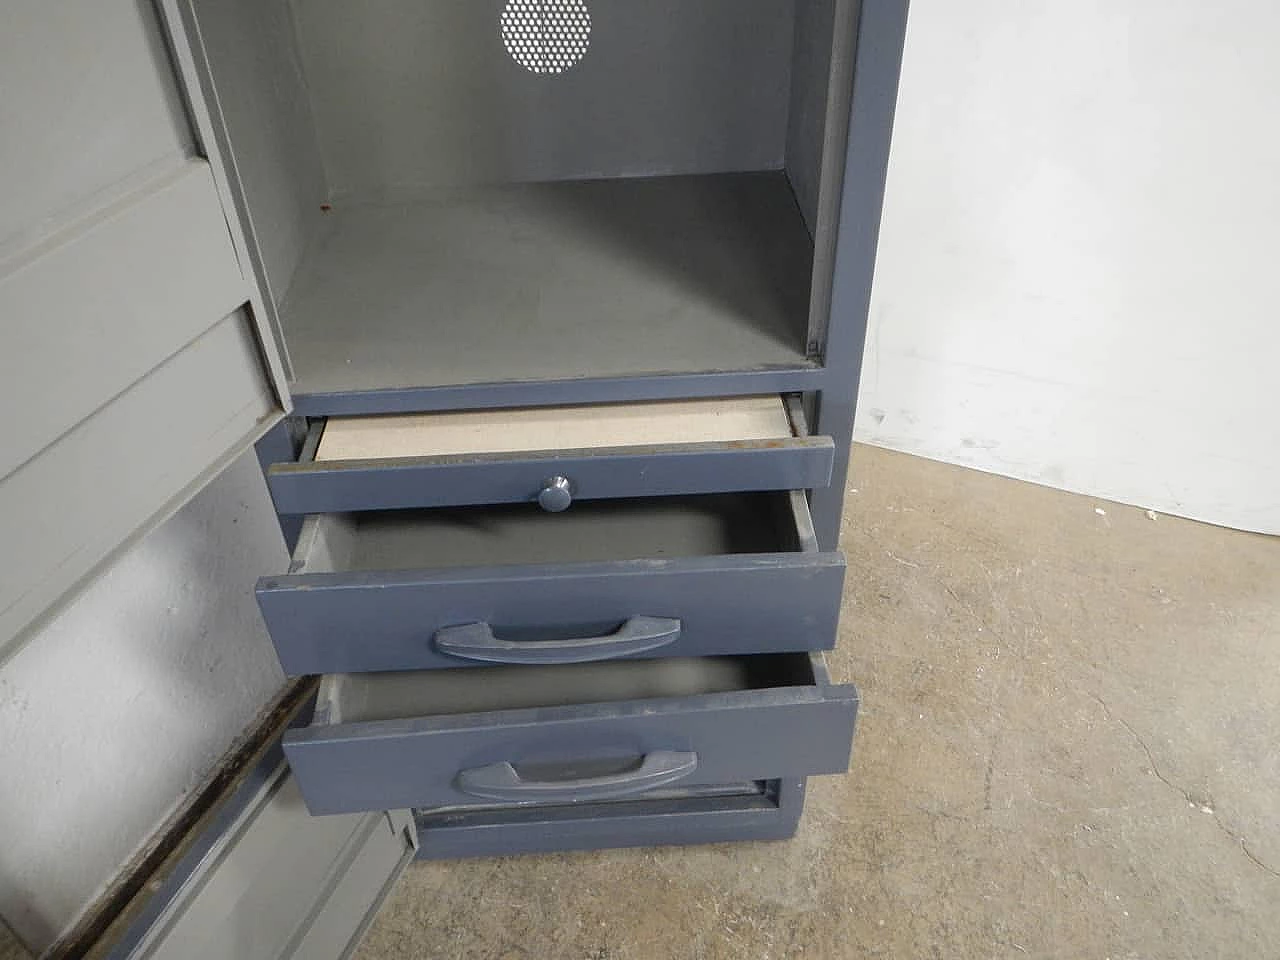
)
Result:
{"points": [[556, 495], [475, 641], [500, 781]]}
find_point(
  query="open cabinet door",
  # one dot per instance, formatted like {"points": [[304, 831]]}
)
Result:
{"points": [[134, 355], [271, 882]]}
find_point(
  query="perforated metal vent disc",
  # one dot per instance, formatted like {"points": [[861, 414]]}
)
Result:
{"points": [[546, 36]]}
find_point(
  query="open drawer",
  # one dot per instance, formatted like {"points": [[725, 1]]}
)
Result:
{"points": [[755, 810], [552, 455], [573, 734], [655, 577]]}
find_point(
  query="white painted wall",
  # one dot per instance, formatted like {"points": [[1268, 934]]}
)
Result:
{"points": [[126, 700], [1078, 280]]}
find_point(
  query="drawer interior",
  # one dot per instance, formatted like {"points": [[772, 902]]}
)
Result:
{"points": [[454, 433], [590, 532], [372, 697]]}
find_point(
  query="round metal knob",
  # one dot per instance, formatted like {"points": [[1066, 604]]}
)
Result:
{"points": [[555, 495]]}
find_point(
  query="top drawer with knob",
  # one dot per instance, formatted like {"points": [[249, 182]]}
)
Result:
{"points": [[553, 455]]}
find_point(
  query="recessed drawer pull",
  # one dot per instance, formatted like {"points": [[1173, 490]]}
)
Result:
{"points": [[500, 781], [476, 641]]}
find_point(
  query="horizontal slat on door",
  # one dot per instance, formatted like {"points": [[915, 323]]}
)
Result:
{"points": [[89, 313], [125, 468]]}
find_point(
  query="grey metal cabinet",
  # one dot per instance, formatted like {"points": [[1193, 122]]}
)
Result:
{"points": [[565, 310]]}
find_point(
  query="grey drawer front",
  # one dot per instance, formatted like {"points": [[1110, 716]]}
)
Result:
{"points": [[339, 486], [792, 731], [267, 881], [349, 623], [772, 815], [352, 622]]}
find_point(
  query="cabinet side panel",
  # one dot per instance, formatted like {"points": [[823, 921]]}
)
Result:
{"points": [[820, 152], [121, 292]]}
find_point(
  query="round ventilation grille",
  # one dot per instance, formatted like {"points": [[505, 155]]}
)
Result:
{"points": [[546, 36]]}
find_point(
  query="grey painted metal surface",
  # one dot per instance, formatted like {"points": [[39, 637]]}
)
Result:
{"points": [[667, 87], [798, 378], [647, 528], [370, 697], [118, 274], [416, 761], [501, 781], [188, 58], [282, 444], [257, 92], [76, 331], [107, 482], [358, 620], [881, 34], [771, 814], [556, 495], [830, 184], [551, 281], [363, 621], [277, 883], [641, 471], [807, 111], [372, 864], [210, 397], [258, 783], [71, 136], [319, 913], [262, 100], [478, 643]]}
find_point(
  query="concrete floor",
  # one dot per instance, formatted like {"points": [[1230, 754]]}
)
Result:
{"points": [[1067, 749]]}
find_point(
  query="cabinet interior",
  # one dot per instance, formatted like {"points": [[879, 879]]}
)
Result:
{"points": [[431, 212]]}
